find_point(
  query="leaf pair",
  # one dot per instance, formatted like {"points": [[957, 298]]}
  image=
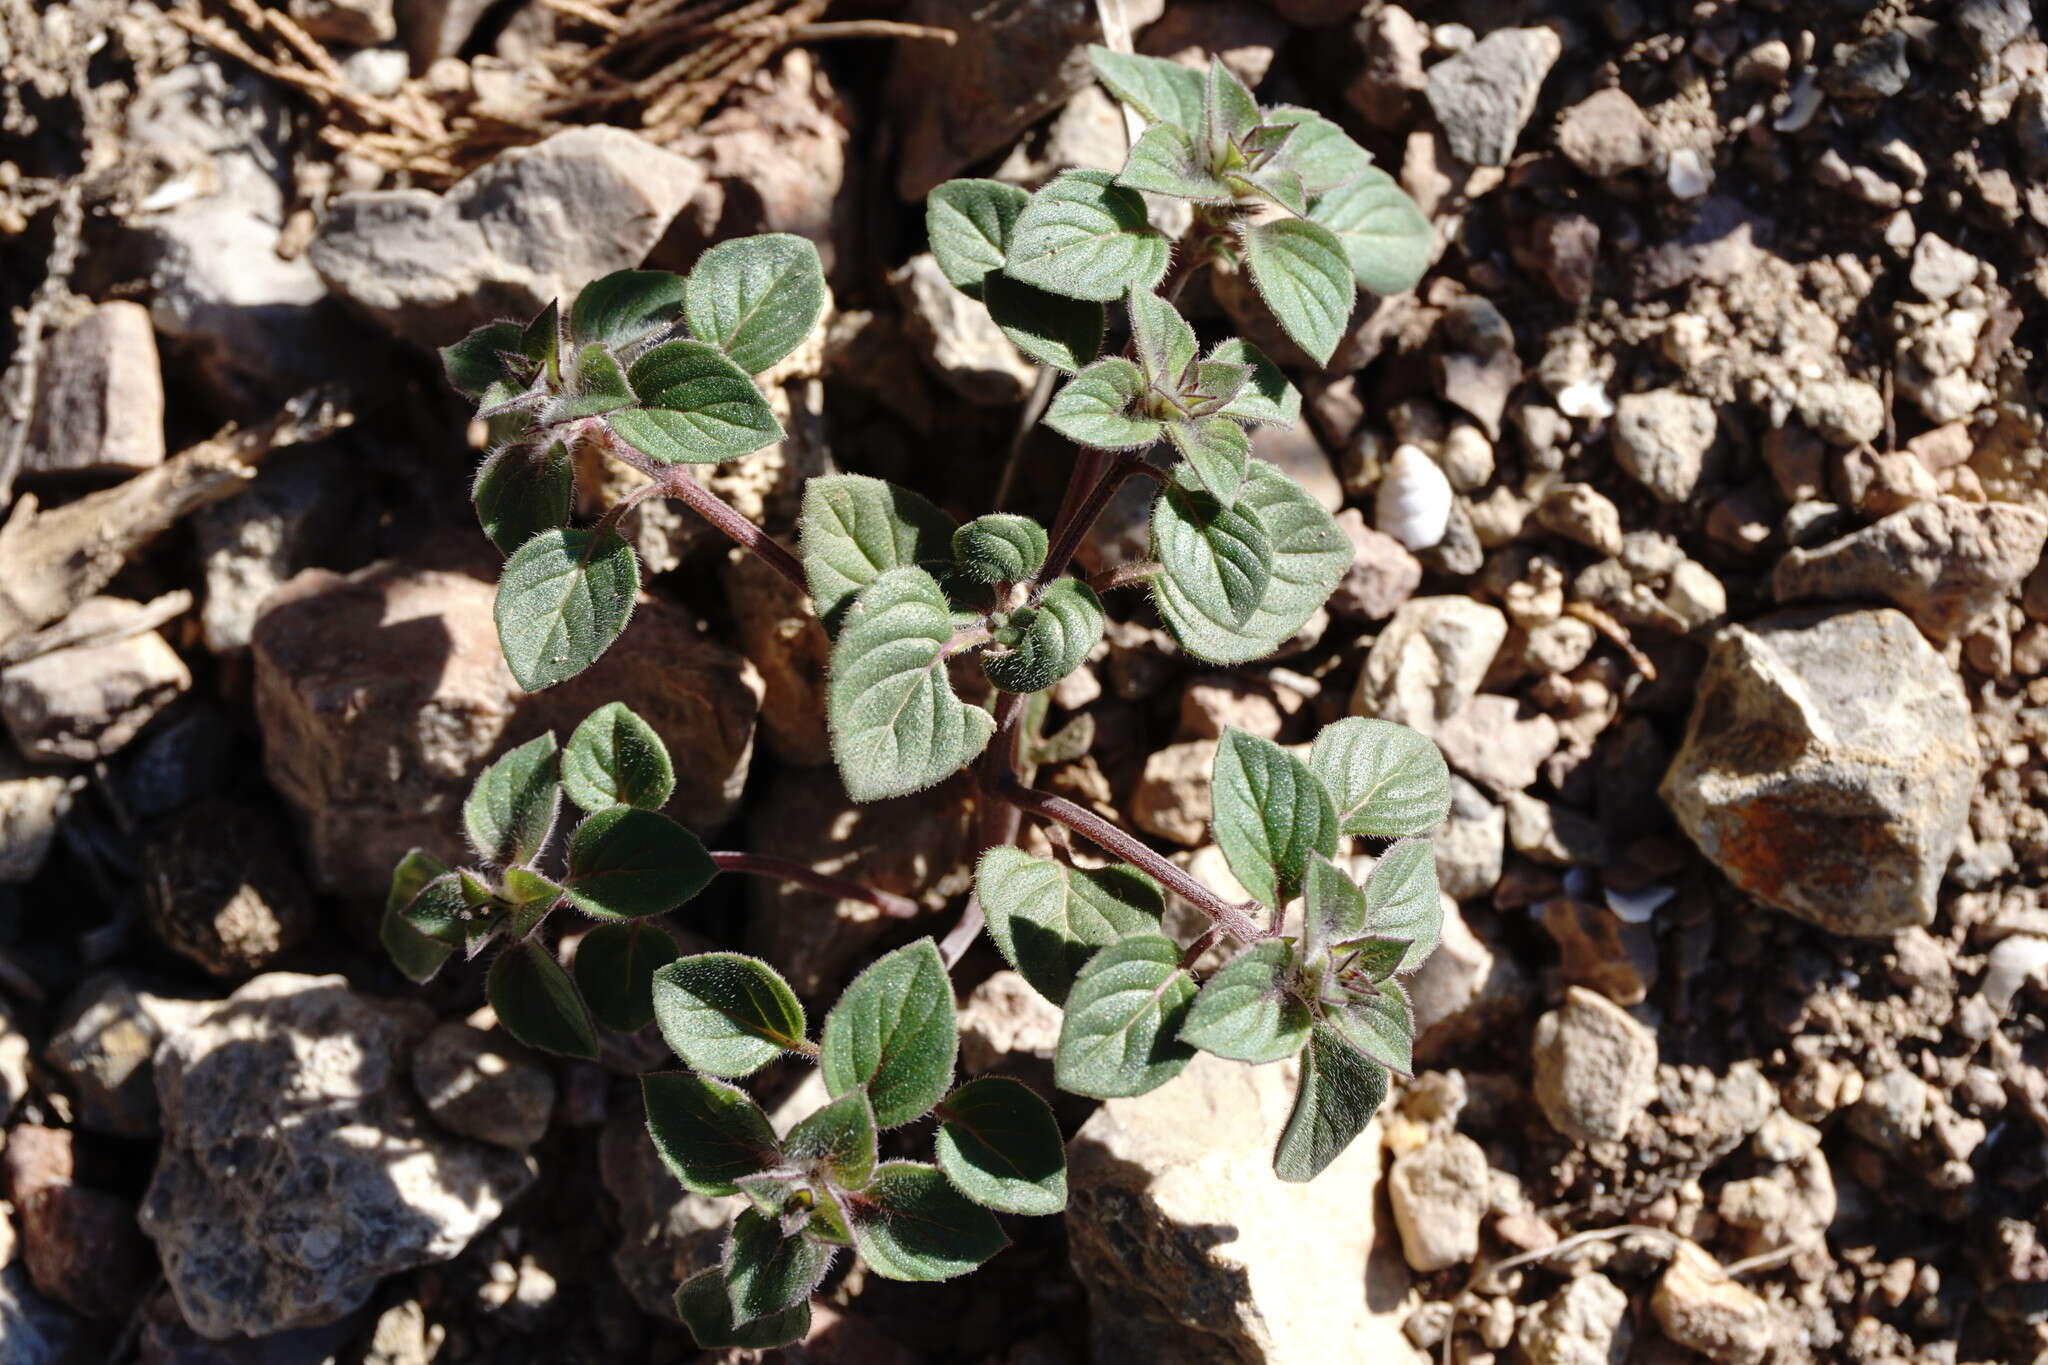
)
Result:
{"points": [[972, 225]]}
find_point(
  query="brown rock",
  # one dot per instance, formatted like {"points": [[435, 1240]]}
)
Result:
{"points": [[82, 1248], [86, 702], [1798, 462], [1703, 1310], [37, 1158], [1172, 797], [1006, 1026], [224, 887], [1596, 1068], [1599, 951], [1606, 135], [1563, 250], [1382, 576], [1242, 34], [1215, 702], [780, 632], [100, 397], [1390, 83], [1498, 742]]}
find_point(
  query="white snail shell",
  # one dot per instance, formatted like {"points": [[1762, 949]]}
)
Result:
{"points": [[1413, 504]]}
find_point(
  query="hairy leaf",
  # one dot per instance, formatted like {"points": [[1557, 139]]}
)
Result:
{"points": [[1304, 276], [1121, 1034], [855, 529], [615, 967], [1000, 548], [1217, 450], [1333, 908], [756, 298], [706, 1309], [541, 342], [1309, 554], [1271, 815], [616, 759], [443, 907], [598, 386], [521, 491], [1049, 918], [896, 725], [1251, 1010], [1088, 238], [537, 1002], [911, 1224], [1273, 183], [1385, 238], [531, 897], [1230, 113], [1050, 328], [511, 807], [1099, 407], [969, 224], [1266, 397], [1050, 640], [893, 1033], [1163, 91], [1386, 779], [1317, 151], [838, 1141], [1219, 560], [415, 954], [767, 1273], [698, 406], [725, 1013], [1000, 1145], [625, 862], [1402, 901], [1335, 1098], [710, 1134], [1164, 341], [563, 597], [1381, 1026], [492, 354], [625, 308], [1165, 160]]}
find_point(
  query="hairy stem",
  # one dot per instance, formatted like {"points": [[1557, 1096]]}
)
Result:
{"points": [[1125, 575], [784, 869], [1234, 920], [1125, 465]]}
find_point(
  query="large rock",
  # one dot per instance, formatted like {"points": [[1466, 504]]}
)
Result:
{"points": [[1944, 563], [1429, 661], [1192, 1251], [1828, 767], [100, 398], [1485, 94], [382, 693], [297, 1170], [534, 225], [958, 338]]}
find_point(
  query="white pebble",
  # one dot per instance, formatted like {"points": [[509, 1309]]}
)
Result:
{"points": [[1586, 400], [2014, 962], [1413, 504], [1688, 175], [1637, 907]]}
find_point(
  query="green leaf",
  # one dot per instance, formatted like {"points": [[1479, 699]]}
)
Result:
{"points": [[705, 1308], [1266, 397], [1000, 1145], [521, 491], [1333, 908], [444, 908], [1164, 341], [1335, 1098], [537, 1002], [1381, 1026], [1271, 815], [1099, 407], [563, 597], [511, 806], [969, 224], [615, 967], [1046, 642], [725, 1013], [511, 409], [1165, 160], [1310, 553], [1402, 901], [855, 529], [1217, 450], [1274, 183], [625, 308], [415, 954], [709, 1134], [616, 759], [911, 1224], [1087, 238], [541, 342], [1163, 91], [531, 897], [1218, 559], [698, 407], [757, 298], [1049, 918], [486, 357], [597, 387], [1385, 238], [1372, 958], [1050, 328], [1229, 113], [1386, 779], [838, 1141], [1304, 276], [1317, 151], [1217, 385], [625, 862], [896, 725], [1000, 548], [1121, 1034], [767, 1273], [893, 1033], [1251, 1010]]}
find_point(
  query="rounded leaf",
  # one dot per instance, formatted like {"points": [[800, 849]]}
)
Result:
{"points": [[767, 1273], [709, 1134], [1000, 1145], [855, 529], [1337, 1094], [625, 308], [521, 491], [893, 1032], [757, 298], [1386, 240], [697, 407], [837, 1142], [725, 1013], [1251, 1010], [490, 355], [1050, 328], [1271, 816], [1385, 779], [1000, 548], [1049, 918], [968, 223], [1121, 1034], [1266, 396], [510, 810], [1044, 643], [1218, 559], [625, 862], [1086, 237], [911, 1224], [411, 951], [1304, 276], [615, 967], [563, 598], [706, 1309], [1099, 407], [616, 759], [1402, 899]]}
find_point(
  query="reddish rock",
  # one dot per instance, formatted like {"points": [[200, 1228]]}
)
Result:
{"points": [[1382, 576]]}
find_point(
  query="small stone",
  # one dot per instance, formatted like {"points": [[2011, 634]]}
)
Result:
{"points": [[1798, 462], [1470, 843], [477, 1086], [958, 339], [1499, 742], [1832, 800], [1553, 833], [1485, 95], [1584, 1323], [1893, 1113], [1703, 1310], [255, 541], [357, 23], [100, 396], [1768, 62], [1439, 1194], [1878, 485], [1563, 250], [1695, 596], [81, 1247], [1939, 270], [224, 889], [1463, 989], [32, 804], [1237, 33], [1847, 412], [1582, 513], [1386, 89], [1414, 498], [1429, 661], [1875, 68], [1606, 135], [1944, 447], [1215, 702], [1595, 1068], [102, 1046], [14, 1050], [1599, 951], [1382, 576], [1785, 1139], [1006, 1026], [87, 701], [1171, 799], [1661, 439]]}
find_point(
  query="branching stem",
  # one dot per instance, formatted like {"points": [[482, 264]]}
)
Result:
{"points": [[784, 869]]}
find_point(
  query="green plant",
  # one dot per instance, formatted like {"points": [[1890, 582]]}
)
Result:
{"points": [[657, 373]]}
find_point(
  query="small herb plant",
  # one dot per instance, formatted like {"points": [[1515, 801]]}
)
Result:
{"points": [[659, 373]]}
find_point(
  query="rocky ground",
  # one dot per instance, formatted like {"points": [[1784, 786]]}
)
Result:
{"points": [[1699, 495]]}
